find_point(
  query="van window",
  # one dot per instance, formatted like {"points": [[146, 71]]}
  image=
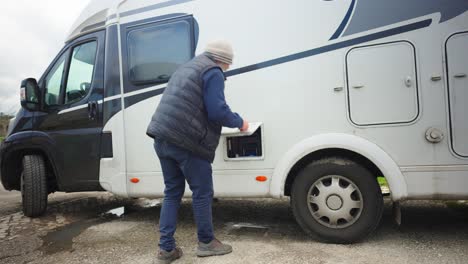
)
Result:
{"points": [[81, 71], [53, 82], [155, 52]]}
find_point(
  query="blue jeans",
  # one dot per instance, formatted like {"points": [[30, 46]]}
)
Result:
{"points": [[177, 166]]}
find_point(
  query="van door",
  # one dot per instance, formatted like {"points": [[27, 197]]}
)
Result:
{"points": [[457, 76], [73, 94], [382, 84]]}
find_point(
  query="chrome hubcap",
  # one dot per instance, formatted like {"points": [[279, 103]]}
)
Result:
{"points": [[335, 201]]}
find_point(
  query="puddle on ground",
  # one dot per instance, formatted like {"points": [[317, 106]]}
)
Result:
{"points": [[61, 239]]}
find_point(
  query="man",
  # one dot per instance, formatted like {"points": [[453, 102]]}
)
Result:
{"points": [[187, 127]]}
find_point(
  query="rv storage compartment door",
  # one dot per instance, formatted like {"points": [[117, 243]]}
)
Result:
{"points": [[382, 84], [243, 145], [457, 75]]}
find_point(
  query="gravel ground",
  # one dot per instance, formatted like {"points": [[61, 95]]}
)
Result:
{"points": [[101, 228]]}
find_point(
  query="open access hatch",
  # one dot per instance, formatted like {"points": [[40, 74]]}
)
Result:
{"points": [[247, 145]]}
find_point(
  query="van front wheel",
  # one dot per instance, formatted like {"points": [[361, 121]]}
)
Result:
{"points": [[337, 200], [34, 186]]}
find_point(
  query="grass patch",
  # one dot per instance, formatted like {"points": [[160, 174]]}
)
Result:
{"points": [[1, 139], [382, 181]]}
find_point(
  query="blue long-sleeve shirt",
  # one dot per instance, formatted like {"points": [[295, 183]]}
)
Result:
{"points": [[215, 102]]}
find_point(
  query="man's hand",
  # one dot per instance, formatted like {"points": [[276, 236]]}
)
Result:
{"points": [[245, 126]]}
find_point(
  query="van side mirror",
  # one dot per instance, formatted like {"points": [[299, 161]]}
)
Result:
{"points": [[29, 94]]}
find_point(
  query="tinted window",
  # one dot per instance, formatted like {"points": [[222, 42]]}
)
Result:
{"points": [[81, 71], [155, 52], [53, 82]]}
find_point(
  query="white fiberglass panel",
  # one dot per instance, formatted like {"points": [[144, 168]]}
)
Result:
{"points": [[382, 84], [457, 65]]}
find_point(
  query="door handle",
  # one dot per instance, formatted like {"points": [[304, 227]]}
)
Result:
{"points": [[338, 89], [92, 110], [460, 75], [358, 86]]}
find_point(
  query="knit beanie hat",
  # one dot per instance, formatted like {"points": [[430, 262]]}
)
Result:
{"points": [[220, 50]]}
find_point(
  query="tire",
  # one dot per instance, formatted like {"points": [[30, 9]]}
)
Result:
{"points": [[331, 188], [34, 186]]}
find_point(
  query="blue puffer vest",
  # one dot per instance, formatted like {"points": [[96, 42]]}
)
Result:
{"points": [[181, 117]]}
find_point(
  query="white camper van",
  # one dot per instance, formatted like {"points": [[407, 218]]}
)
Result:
{"points": [[341, 92]]}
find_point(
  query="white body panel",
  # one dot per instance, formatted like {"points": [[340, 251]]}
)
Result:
{"points": [[308, 104], [457, 65]]}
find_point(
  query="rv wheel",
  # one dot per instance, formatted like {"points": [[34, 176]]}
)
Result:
{"points": [[34, 186], [336, 200]]}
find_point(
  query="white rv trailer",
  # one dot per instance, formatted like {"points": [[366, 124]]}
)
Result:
{"points": [[341, 92]]}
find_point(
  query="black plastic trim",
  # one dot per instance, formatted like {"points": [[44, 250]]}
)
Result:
{"points": [[110, 108], [112, 63], [106, 145], [131, 100]]}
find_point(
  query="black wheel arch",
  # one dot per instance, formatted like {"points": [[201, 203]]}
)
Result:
{"points": [[27, 143]]}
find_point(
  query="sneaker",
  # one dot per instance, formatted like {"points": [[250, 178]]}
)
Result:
{"points": [[214, 248], [166, 257]]}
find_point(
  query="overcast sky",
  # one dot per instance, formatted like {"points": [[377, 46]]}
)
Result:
{"points": [[32, 33]]}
